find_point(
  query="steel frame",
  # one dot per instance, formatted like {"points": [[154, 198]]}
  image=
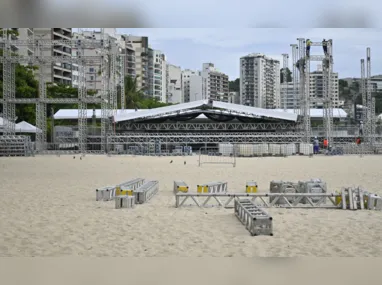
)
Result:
{"points": [[285, 80], [295, 78], [304, 90], [181, 198], [106, 58], [209, 126], [188, 138]]}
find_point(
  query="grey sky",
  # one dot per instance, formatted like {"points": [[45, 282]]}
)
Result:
{"points": [[189, 48]]}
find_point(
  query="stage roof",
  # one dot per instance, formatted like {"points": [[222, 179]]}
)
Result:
{"points": [[197, 110], [204, 106]]}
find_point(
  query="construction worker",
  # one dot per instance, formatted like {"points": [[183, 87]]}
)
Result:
{"points": [[308, 44], [316, 146], [325, 46], [360, 128], [326, 143], [358, 141]]}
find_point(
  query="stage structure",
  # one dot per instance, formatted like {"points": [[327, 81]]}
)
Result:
{"points": [[285, 80], [303, 66], [107, 58], [295, 78]]}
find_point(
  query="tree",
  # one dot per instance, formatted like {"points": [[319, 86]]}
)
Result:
{"points": [[136, 99], [234, 86], [289, 75]]}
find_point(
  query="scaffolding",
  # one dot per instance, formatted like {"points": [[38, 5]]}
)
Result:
{"points": [[285, 80], [304, 84], [301, 62], [295, 78], [368, 102], [106, 57]]}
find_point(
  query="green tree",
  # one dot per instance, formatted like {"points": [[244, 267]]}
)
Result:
{"points": [[234, 86], [289, 75]]}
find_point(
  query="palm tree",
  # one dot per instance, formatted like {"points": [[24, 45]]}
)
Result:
{"points": [[133, 96]]}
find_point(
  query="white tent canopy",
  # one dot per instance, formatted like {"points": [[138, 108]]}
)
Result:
{"points": [[2, 122], [25, 127]]}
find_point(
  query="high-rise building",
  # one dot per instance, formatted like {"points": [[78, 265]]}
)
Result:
{"points": [[316, 89], [57, 72], [93, 72], [260, 81], [292, 96], [140, 45], [26, 34], [130, 60], [157, 79], [174, 84], [186, 74], [211, 84]]}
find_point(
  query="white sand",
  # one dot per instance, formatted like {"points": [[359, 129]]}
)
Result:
{"points": [[48, 208]]}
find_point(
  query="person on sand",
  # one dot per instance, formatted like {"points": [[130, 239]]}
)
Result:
{"points": [[316, 146]]}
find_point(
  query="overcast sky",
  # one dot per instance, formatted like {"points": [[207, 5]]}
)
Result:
{"points": [[189, 48]]}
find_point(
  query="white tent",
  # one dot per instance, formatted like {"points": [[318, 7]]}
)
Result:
{"points": [[2, 121], [25, 127]]}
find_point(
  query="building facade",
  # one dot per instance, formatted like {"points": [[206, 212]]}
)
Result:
{"points": [[157, 77], [57, 72], [140, 68], [316, 89], [186, 74], [209, 84], [291, 96], [260, 81], [174, 84], [93, 73]]}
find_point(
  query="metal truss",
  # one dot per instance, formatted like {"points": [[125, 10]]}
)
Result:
{"points": [[40, 105], [12, 145], [285, 80], [295, 78], [373, 119], [327, 69], [363, 92], [368, 98], [106, 56], [290, 200], [82, 106], [304, 90], [188, 138], [209, 126], [8, 87], [122, 80]]}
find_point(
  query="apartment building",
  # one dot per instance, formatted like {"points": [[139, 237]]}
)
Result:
{"points": [[25, 34], [130, 59], [93, 72], [316, 89], [260, 81], [156, 75], [57, 72], [211, 84], [140, 45], [186, 74], [291, 96], [174, 84]]}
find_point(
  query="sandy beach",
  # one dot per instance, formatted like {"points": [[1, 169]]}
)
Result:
{"points": [[48, 208]]}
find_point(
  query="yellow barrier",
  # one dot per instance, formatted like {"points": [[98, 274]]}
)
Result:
{"points": [[183, 189], [251, 187], [202, 189]]}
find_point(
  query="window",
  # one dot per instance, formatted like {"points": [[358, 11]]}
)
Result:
{"points": [[91, 69], [91, 78]]}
